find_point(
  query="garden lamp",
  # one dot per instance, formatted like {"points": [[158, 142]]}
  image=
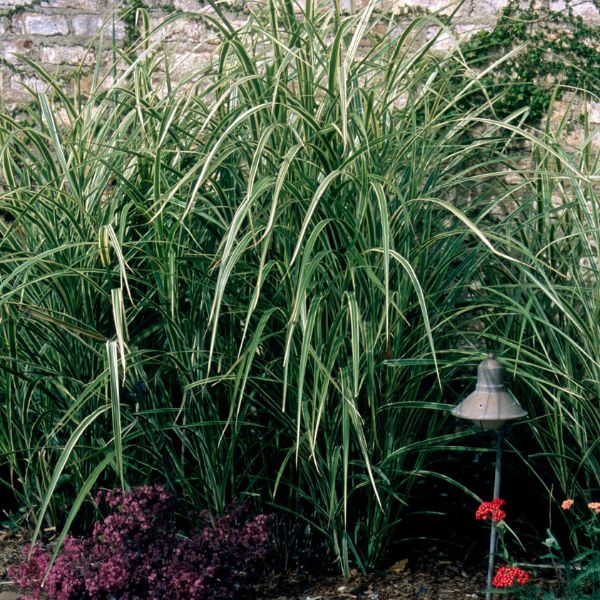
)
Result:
{"points": [[491, 407]]}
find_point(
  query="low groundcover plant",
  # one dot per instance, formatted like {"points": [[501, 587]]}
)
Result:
{"points": [[136, 552]]}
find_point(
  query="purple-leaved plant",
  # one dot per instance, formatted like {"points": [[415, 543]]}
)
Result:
{"points": [[136, 553]]}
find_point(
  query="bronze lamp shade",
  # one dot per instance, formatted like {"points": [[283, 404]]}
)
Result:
{"points": [[490, 405]]}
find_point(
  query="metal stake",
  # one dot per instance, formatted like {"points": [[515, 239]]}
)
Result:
{"points": [[493, 534]]}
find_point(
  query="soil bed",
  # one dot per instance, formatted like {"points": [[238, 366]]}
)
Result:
{"points": [[426, 579], [11, 544], [420, 578]]}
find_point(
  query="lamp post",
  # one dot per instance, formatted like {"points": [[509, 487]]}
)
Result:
{"points": [[491, 407]]}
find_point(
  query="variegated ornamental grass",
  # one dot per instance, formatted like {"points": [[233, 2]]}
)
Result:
{"points": [[266, 278]]}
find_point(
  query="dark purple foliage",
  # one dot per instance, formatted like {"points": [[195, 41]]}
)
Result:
{"points": [[137, 553]]}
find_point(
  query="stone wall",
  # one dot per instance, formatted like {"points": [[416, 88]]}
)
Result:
{"points": [[63, 34]]}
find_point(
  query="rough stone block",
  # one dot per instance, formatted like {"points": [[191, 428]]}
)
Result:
{"points": [[14, 95], [13, 3], [353, 6], [237, 20], [443, 6], [88, 26], [448, 39], [487, 8], [8, 50], [37, 24], [401, 100], [191, 61], [91, 5], [189, 5], [466, 30], [66, 55], [594, 112], [22, 82], [183, 32], [444, 40], [185, 5], [558, 5], [585, 9]]}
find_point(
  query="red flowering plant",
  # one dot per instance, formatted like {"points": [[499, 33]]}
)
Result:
{"points": [[506, 576], [578, 578]]}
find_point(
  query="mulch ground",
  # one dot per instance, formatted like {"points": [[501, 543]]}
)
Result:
{"points": [[424, 578], [11, 544]]}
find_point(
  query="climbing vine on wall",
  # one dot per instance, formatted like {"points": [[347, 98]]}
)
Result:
{"points": [[130, 14], [560, 52]]}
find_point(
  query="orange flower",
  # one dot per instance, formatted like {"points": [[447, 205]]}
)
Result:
{"points": [[595, 506], [566, 505]]}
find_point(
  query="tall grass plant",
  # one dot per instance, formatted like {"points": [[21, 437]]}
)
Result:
{"points": [[261, 279]]}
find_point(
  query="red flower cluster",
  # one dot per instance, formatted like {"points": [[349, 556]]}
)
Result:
{"points": [[491, 510], [509, 576]]}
